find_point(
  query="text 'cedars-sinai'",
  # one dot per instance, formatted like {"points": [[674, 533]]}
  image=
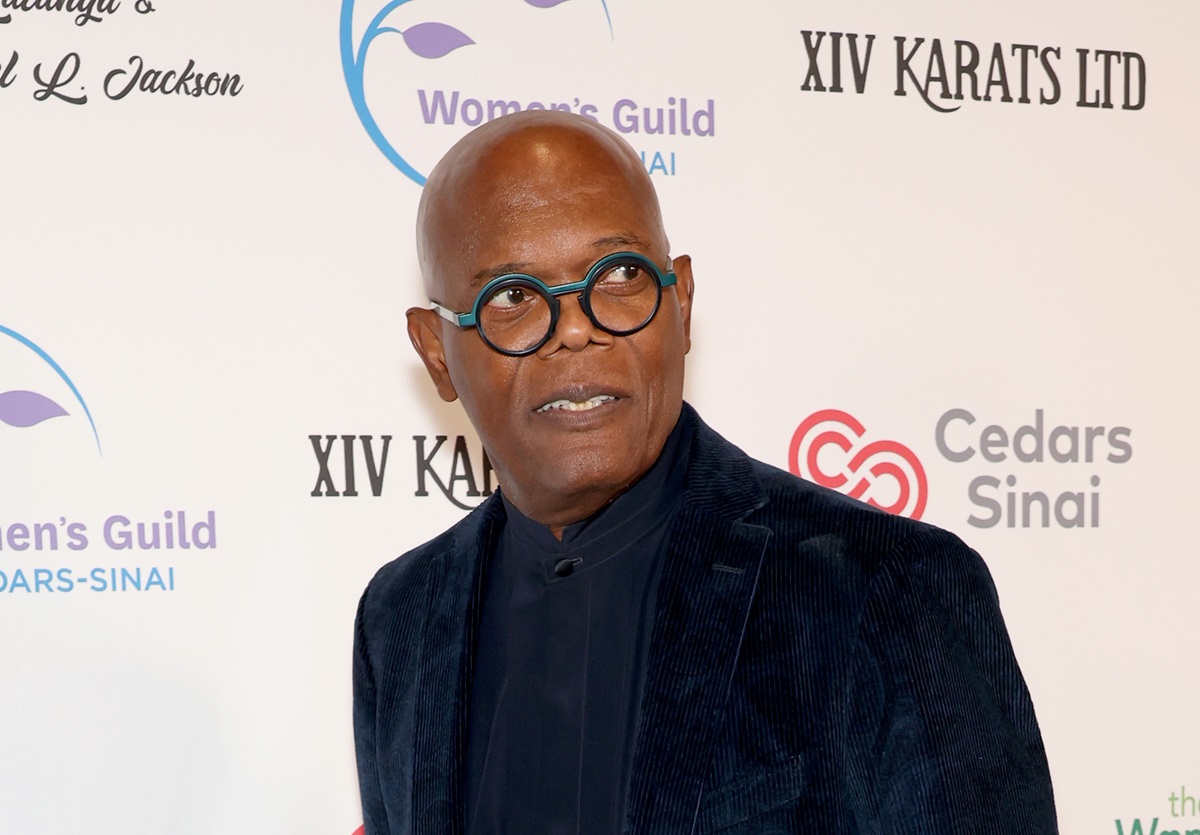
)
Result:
{"points": [[943, 73], [1033, 443]]}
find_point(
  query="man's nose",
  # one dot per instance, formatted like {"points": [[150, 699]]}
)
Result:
{"points": [[575, 330]]}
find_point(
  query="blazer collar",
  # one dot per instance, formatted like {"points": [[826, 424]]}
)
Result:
{"points": [[709, 577], [721, 479]]}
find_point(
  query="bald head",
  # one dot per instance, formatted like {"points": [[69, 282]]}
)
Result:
{"points": [[540, 161]]}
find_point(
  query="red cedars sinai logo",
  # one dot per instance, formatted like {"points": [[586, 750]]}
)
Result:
{"points": [[828, 449]]}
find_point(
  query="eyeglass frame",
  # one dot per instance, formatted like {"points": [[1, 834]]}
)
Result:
{"points": [[583, 288]]}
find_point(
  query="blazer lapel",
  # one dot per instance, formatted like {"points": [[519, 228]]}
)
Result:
{"points": [[443, 691], [708, 582]]}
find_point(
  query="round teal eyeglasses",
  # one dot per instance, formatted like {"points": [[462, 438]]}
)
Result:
{"points": [[516, 313]]}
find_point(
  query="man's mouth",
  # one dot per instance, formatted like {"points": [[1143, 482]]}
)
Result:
{"points": [[574, 406]]}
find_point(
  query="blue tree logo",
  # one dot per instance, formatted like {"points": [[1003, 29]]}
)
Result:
{"points": [[23, 409], [428, 40]]}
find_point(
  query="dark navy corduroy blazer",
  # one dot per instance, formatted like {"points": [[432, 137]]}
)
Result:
{"points": [[816, 666]]}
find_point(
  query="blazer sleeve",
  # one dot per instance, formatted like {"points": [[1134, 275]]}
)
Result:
{"points": [[374, 813], [954, 744]]}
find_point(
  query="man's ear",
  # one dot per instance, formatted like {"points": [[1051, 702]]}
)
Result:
{"points": [[425, 331], [684, 288]]}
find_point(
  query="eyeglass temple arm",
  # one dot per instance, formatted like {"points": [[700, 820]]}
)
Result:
{"points": [[463, 320]]}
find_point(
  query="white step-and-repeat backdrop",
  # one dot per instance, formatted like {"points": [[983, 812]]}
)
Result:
{"points": [[945, 259]]}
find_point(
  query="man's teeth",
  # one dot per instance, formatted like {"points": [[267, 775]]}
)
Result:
{"points": [[572, 406]]}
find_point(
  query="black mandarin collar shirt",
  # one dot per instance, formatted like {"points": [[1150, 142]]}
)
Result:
{"points": [[561, 661]]}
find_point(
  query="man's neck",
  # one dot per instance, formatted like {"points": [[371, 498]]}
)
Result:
{"points": [[556, 509], [557, 515]]}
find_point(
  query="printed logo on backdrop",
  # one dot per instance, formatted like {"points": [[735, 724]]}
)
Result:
{"points": [[1180, 804], [998, 497], [63, 552], [833, 449], [66, 77], [946, 74], [455, 469], [25, 409], [676, 117]]}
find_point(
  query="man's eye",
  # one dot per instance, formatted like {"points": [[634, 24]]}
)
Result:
{"points": [[509, 297], [623, 273]]}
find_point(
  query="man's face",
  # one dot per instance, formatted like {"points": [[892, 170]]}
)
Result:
{"points": [[554, 218]]}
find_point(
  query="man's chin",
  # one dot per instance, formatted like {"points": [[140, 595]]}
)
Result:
{"points": [[589, 482]]}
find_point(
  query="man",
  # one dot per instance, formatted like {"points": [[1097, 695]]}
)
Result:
{"points": [[644, 630]]}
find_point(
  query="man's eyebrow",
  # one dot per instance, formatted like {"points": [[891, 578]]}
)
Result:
{"points": [[488, 273], [626, 239], [608, 242]]}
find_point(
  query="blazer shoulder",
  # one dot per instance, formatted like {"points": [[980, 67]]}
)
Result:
{"points": [[806, 518], [402, 581], [411, 565], [409, 576], [811, 524], [411, 573], [823, 510]]}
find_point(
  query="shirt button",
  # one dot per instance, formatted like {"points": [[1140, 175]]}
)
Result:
{"points": [[566, 566]]}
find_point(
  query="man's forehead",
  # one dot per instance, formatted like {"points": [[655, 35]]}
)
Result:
{"points": [[544, 166], [520, 223], [498, 194]]}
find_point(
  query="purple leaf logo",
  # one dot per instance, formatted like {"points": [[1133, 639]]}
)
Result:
{"points": [[544, 4], [27, 408], [433, 40]]}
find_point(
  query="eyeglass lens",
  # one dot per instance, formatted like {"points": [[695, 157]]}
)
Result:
{"points": [[517, 316]]}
